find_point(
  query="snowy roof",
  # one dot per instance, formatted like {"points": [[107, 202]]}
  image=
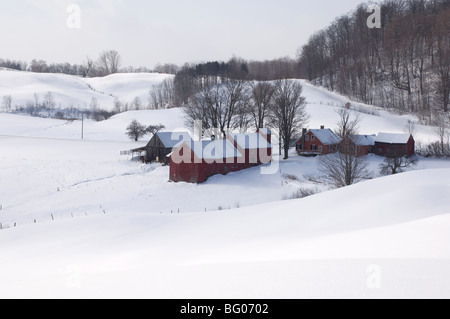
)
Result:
{"points": [[250, 141], [364, 140], [389, 138], [172, 139], [217, 149], [326, 136]]}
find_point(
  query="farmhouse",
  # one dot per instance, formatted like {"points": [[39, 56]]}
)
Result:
{"points": [[317, 142], [161, 145], [358, 145], [387, 144], [195, 162]]}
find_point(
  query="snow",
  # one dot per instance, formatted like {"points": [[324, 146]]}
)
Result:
{"points": [[121, 229], [284, 249], [389, 138], [214, 150], [327, 136], [364, 140], [126, 87], [250, 141], [74, 91], [173, 139]]}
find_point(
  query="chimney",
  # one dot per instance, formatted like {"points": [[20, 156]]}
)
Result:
{"points": [[322, 127], [304, 131]]}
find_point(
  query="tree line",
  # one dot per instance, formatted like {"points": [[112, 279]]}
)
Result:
{"points": [[405, 65], [191, 78], [108, 62]]}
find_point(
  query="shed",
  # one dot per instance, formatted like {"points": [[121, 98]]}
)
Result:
{"points": [[394, 145], [162, 144]]}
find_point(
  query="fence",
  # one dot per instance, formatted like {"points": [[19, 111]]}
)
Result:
{"points": [[52, 217]]}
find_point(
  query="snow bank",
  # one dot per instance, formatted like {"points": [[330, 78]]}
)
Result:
{"points": [[286, 249]]}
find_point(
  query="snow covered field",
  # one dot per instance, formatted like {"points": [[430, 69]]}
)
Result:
{"points": [[73, 91], [122, 230]]}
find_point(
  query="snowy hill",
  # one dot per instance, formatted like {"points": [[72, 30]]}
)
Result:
{"points": [[73, 91], [121, 229], [284, 249]]}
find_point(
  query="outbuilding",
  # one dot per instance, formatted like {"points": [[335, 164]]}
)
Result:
{"points": [[394, 145], [162, 144]]}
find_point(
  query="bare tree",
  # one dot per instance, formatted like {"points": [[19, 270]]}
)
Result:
{"points": [[136, 130], [117, 105], [153, 129], [262, 98], [348, 124], [396, 164], [38, 66], [88, 68], [410, 128], [162, 95], [343, 169], [166, 68], [94, 104], [442, 59], [7, 103], [37, 102], [49, 101], [442, 132], [218, 106], [136, 104], [288, 112], [109, 62]]}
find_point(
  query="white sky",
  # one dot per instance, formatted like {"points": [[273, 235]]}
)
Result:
{"points": [[146, 32]]}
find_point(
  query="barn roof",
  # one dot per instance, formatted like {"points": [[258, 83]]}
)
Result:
{"points": [[217, 149], [250, 141], [172, 139], [326, 136], [389, 138], [363, 140]]}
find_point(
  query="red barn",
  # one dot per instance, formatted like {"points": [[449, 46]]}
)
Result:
{"points": [[256, 147], [195, 162], [387, 144], [359, 145], [318, 142]]}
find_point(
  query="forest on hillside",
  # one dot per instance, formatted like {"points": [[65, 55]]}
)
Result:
{"points": [[404, 65]]}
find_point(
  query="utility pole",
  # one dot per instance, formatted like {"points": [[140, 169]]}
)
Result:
{"points": [[82, 126]]}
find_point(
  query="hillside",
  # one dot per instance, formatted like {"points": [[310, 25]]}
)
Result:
{"points": [[73, 91], [289, 249], [120, 229]]}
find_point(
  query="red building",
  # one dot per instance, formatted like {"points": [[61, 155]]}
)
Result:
{"points": [[359, 145], [195, 162], [317, 142], [397, 145]]}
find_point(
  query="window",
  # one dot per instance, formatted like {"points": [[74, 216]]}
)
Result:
{"points": [[313, 138], [299, 147], [313, 147], [347, 141], [307, 138], [320, 149]]}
